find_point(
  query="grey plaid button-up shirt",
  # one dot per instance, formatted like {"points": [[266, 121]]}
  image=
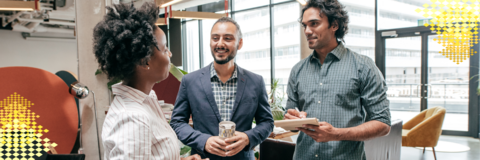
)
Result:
{"points": [[224, 93], [345, 91]]}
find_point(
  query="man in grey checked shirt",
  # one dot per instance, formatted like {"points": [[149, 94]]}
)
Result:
{"points": [[342, 89]]}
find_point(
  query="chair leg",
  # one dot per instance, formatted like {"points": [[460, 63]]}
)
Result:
{"points": [[423, 149], [434, 155]]}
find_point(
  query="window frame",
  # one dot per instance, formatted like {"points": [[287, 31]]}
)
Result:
{"points": [[232, 12]]}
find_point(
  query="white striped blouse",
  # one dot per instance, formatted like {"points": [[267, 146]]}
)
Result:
{"points": [[135, 128]]}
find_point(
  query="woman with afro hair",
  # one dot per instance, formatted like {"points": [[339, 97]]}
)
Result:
{"points": [[129, 46]]}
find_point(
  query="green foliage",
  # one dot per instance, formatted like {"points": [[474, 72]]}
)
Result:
{"points": [[98, 71], [478, 87], [184, 72], [278, 114], [177, 72], [185, 149], [276, 101], [111, 82], [257, 155]]}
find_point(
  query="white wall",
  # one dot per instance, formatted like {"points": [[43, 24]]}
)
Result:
{"points": [[48, 55]]}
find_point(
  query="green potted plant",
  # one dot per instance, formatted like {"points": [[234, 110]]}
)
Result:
{"points": [[478, 87], [185, 151], [276, 98]]}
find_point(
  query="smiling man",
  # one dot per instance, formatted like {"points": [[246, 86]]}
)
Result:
{"points": [[222, 91], [342, 89]]}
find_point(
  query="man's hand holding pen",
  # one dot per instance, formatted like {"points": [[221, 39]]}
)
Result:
{"points": [[295, 114]]}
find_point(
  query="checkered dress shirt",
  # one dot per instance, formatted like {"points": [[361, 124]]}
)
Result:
{"points": [[224, 93], [345, 91]]}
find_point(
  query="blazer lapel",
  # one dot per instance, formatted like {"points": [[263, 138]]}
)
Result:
{"points": [[207, 87], [241, 81]]}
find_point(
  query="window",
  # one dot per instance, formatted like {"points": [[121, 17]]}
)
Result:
{"points": [[278, 1], [193, 57], [419, 4], [207, 52], [255, 53], [245, 4], [287, 43], [360, 37], [398, 14]]}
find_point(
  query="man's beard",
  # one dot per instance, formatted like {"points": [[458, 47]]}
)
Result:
{"points": [[226, 60]]}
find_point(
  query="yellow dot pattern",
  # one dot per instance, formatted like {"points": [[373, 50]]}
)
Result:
{"points": [[19, 130], [455, 22]]}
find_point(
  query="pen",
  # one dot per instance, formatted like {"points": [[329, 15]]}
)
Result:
{"points": [[298, 112]]}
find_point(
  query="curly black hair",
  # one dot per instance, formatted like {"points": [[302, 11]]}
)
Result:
{"points": [[125, 38], [335, 13]]}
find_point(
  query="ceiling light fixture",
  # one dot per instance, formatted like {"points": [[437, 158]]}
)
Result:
{"points": [[302, 2], [15, 9], [170, 3], [19, 5]]}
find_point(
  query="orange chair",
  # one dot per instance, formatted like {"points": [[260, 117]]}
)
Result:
{"points": [[424, 129]]}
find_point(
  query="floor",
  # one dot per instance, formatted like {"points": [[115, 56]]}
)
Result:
{"points": [[409, 153]]}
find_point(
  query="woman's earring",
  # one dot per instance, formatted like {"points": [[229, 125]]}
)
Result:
{"points": [[148, 68]]}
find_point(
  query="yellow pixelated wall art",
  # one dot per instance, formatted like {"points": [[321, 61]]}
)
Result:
{"points": [[455, 22], [21, 138], [54, 110]]}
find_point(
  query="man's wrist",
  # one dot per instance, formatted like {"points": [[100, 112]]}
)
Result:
{"points": [[246, 137], [248, 140], [340, 133], [205, 146]]}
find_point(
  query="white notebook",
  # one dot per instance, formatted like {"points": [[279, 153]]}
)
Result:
{"points": [[291, 124]]}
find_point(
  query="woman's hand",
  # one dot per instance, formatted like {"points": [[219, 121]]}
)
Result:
{"points": [[194, 157]]}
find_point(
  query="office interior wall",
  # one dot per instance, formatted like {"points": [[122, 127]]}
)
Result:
{"points": [[50, 55], [88, 14]]}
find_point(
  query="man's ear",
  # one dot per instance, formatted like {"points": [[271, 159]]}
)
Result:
{"points": [[335, 25], [240, 44]]}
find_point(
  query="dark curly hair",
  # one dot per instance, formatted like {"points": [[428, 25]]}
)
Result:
{"points": [[124, 39], [335, 13]]}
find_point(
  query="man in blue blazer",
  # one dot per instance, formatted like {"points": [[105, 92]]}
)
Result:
{"points": [[222, 91]]}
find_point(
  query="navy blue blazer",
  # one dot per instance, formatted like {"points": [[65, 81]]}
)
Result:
{"points": [[195, 97]]}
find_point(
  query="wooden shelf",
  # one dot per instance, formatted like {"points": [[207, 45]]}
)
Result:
{"points": [[282, 135], [196, 15], [19, 5]]}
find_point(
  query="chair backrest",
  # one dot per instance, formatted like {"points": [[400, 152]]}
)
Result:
{"points": [[433, 123], [69, 78], [276, 149], [434, 111]]}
